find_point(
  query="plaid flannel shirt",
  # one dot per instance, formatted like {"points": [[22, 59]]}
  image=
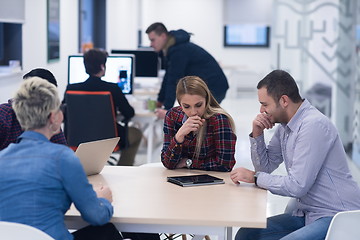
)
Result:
{"points": [[217, 151]]}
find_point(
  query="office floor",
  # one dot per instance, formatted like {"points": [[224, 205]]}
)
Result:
{"points": [[243, 109]]}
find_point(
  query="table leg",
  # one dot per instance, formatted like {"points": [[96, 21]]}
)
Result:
{"points": [[228, 233], [150, 140]]}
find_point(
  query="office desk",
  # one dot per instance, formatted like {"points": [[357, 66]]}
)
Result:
{"points": [[145, 202]]}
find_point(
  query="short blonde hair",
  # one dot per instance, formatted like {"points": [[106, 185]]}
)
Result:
{"points": [[34, 102]]}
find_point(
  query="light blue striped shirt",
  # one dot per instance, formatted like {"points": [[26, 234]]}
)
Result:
{"points": [[318, 175]]}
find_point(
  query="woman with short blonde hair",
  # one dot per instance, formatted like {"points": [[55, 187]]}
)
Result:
{"points": [[39, 180]]}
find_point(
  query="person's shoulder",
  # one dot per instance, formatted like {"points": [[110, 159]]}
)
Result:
{"points": [[109, 86], [314, 119], [74, 86], [187, 52], [60, 147], [181, 36], [6, 107], [174, 112], [312, 114], [6, 112], [64, 157], [184, 47], [219, 118], [63, 151]]}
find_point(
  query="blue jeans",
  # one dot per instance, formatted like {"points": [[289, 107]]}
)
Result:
{"points": [[287, 227]]}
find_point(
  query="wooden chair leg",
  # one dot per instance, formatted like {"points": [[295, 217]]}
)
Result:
{"points": [[183, 236], [207, 237]]}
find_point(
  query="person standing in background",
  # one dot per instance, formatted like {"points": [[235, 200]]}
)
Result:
{"points": [[184, 58]]}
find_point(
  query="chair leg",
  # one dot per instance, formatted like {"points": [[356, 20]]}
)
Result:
{"points": [[183, 236], [112, 161], [170, 237]]}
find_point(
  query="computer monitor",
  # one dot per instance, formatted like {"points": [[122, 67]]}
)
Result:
{"points": [[146, 62], [119, 70], [246, 35]]}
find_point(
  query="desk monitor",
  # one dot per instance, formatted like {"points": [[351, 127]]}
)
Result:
{"points": [[146, 62], [119, 70]]}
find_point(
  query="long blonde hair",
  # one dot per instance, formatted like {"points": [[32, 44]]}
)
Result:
{"points": [[194, 85]]}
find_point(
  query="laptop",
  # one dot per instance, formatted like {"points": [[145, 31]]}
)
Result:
{"points": [[94, 155], [195, 180]]}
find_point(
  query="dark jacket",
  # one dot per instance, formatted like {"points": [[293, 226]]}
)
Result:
{"points": [[188, 59]]}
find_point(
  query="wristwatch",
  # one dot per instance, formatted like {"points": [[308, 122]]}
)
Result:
{"points": [[255, 178], [188, 163]]}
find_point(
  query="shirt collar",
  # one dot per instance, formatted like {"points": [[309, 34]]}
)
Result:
{"points": [[297, 116], [170, 42], [32, 135], [94, 78]]}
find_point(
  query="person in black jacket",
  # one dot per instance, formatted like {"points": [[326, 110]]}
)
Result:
{"points": [[94, 61], [184, 58]]}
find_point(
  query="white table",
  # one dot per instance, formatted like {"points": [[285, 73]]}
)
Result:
{"points": [[145, 202]]}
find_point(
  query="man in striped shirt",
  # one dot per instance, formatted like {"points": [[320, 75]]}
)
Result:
{"points": [[318, 176]]}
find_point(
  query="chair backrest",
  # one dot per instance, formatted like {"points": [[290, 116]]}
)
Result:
{"points": [[18, 231], [89, 116], [344, 225]]}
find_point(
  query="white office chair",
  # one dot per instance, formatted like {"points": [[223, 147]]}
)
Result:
{"points": [[344, 225], [18, 231]]}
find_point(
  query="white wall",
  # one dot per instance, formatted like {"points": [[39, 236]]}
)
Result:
{"points": [[248, 11], [122, 23], [35, 38], [35, 44], [204, 18]]}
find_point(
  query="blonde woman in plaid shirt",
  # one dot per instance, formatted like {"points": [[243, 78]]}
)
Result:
{"points": [[198, 134]]}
